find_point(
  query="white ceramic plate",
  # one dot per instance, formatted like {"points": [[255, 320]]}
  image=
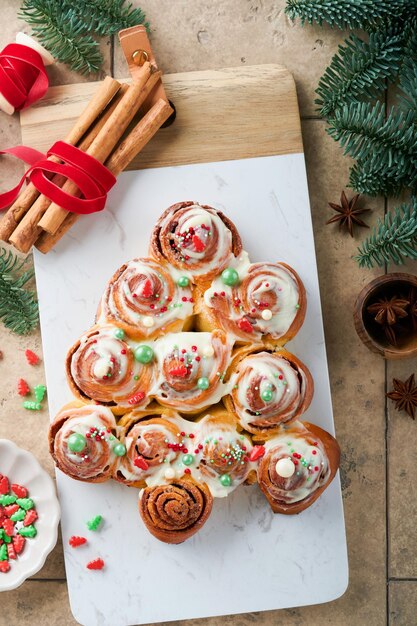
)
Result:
{"points": [[22, 468]]}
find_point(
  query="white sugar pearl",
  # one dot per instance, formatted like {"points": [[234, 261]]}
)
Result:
{"points": [[208, 351], [285, 468], [169, 473], [101, 368], [148, 321], [266, 314]]}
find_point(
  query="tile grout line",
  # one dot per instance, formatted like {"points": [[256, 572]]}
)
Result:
{"points": [[386, 430], [395, 579], [112, 56]]}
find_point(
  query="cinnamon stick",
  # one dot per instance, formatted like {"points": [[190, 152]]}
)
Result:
{"points": [[107, 90], [28, 231], [105, 141], [119, 160]]}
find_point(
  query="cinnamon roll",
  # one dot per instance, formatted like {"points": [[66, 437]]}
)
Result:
{"points": [[191, 369], [254, 302], [153, 441], [146, 299], [175, 512], [297, 466], [83, 442], [224, 453], [106, 367], [195, 238], [269, 388]]}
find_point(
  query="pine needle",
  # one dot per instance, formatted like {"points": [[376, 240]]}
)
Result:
{"points": [[18, 306], [106, 17], [393, 239]]}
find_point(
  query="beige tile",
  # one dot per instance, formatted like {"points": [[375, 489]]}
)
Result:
{"points": [[37, 602], [198, 35], [402, 603]]}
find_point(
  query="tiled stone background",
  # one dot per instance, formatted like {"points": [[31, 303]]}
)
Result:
{"points": [[380, 492]]}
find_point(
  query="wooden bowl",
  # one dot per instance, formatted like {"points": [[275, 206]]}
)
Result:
{"points": [[369, 332]]}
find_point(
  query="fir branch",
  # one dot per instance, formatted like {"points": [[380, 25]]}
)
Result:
{"points": [[359, 70], [365, 14], [369, 177], [393, 239], [18, 307], [365, 132], [105, 17], [56, 27]]}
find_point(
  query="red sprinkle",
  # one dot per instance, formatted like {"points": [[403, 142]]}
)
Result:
{"points": [[187, 470], [147, 290], [245, 325], [191, 435], [30, 517], [4, 566], [22, 387], [314, 452], [316, 469], [198, 359], [198, 244], [138, 397], [76, 541], [256, 453], [123, 351], [19, 543], [10, 509], [8, 527], [180, 371], [31, 357], [4, 485], [95, 564], [141, 463], [11, 552]]}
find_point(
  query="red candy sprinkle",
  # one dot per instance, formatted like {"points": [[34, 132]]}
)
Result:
{"points": [[314, 452], [95, 564], [180, 371], [138, 397], [123, 351], [4, 485], [8, 526], [10, 509], [187, 470], [11, 552], [19, 543], [4, 566], [191, 435], [245, 325], [31, 357], [147, 290], [22, 387], [19, 491], [30, 517], [141, 463], [198, 244], [75, 541], [256, 453]]}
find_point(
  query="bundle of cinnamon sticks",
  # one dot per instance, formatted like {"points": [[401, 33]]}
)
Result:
{"points": [[102, 132]]}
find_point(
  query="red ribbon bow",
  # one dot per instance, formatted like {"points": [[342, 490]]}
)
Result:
{"points": [[23, 79], [92, 178]]}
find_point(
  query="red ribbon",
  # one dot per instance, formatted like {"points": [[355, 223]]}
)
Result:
{"points": [[92, 178], [23, 79]]}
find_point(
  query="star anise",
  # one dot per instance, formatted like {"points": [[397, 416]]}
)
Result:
{"points": [[412, 297], [347, 214], [404, 395], [387, 311]]}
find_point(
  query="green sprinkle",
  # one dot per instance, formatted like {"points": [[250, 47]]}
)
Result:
{"points": [[29, 405], [28, 531], [6, 499], [297, 306], [40, 391], [3, 553], [94, 523], [25, 503], [19, 516]]}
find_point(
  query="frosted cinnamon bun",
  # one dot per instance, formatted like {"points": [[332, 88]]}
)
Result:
{"points": [[146, 299], [223, 455], [254, 302], [297, 466], [83, 442], [153, 439], [106, 367], [175, 512], [191, 368], [269, 388], [195, 238]]}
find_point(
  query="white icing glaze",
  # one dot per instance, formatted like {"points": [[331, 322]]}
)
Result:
{"points": [[279, 281], [194, 217], [147, 314], [312, 469], [260, 372], [180, 345]]}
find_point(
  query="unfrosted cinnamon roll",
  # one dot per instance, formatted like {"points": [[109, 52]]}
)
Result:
{"points": [[191, 367], [146, 299], [195, 238], [223, 453], [83, 442], [254, 302], [175, 512], [106, 367], [153, 441], [297, 467], [269, 388]]}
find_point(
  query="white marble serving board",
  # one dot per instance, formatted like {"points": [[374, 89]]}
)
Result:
{"points": [[245, 558]]}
